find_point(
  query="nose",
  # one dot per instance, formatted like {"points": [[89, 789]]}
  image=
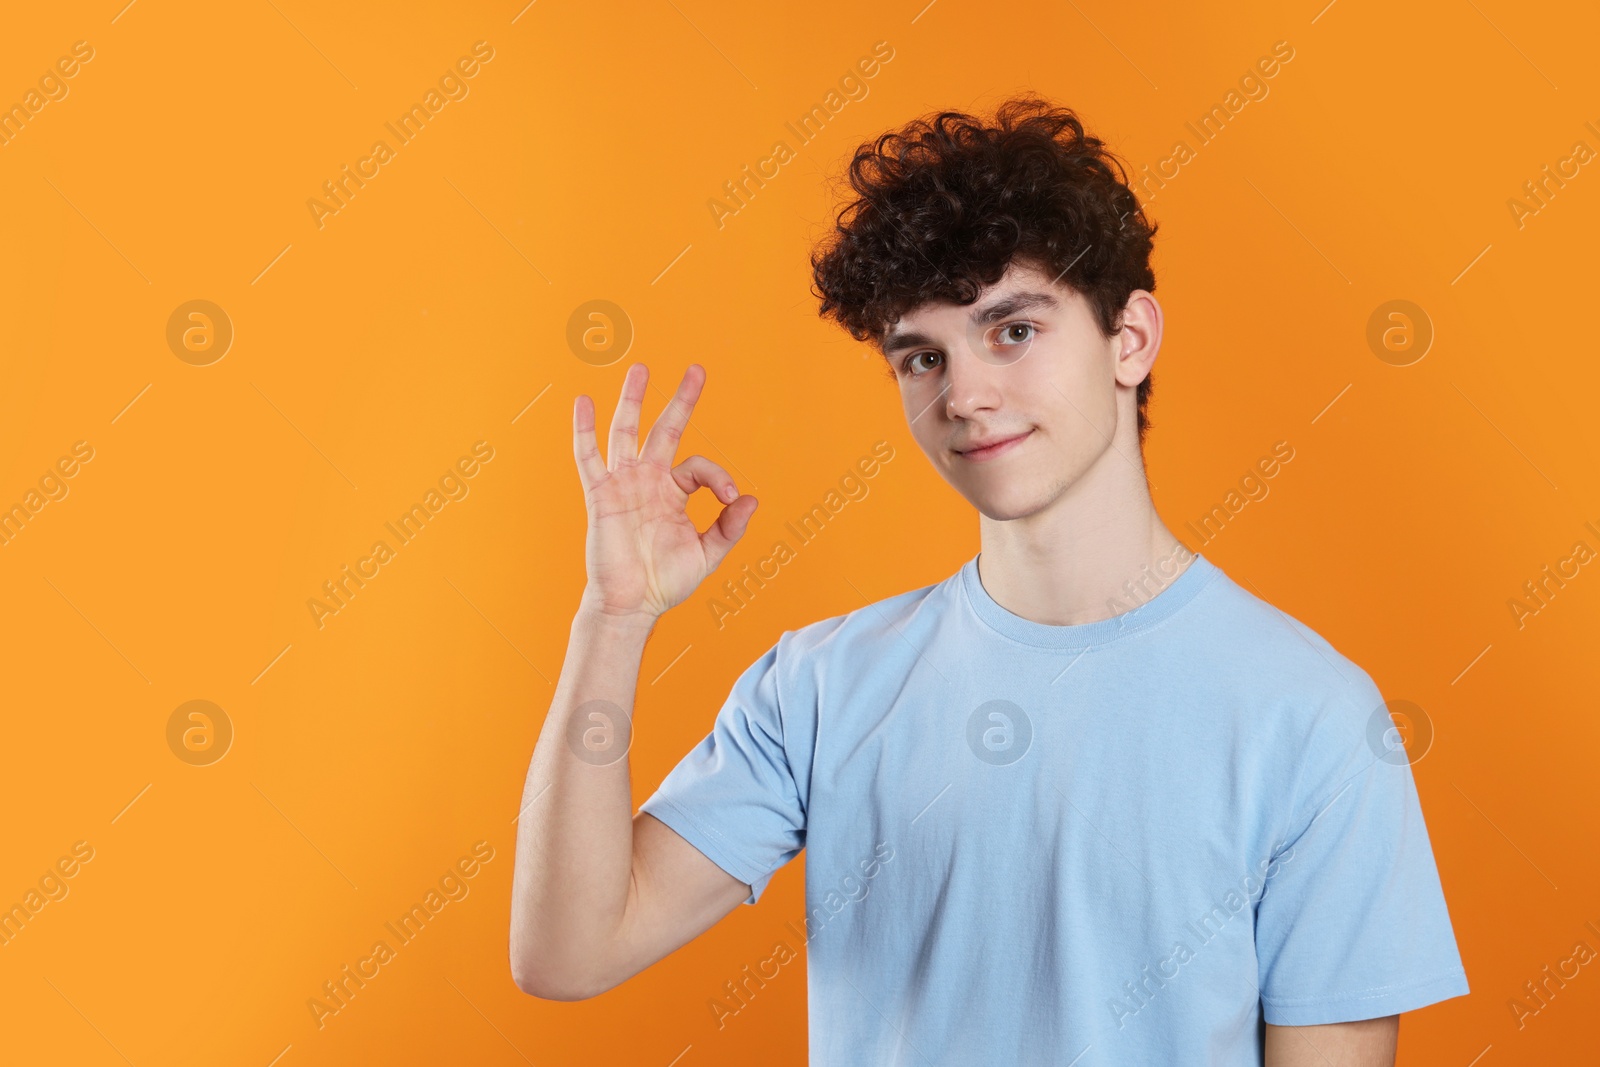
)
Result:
{"points": [[972, 384]]}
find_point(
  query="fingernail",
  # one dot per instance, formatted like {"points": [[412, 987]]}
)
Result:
{"points": [[730, 493]]}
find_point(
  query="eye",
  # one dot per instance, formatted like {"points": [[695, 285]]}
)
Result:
{"points": [[906, 365], [1007, 336]]}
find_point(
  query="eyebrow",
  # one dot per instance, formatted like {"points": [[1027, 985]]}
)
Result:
{"points": [[1000, 309]]}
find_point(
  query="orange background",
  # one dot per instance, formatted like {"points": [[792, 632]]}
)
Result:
{"points": [[431, 311]]}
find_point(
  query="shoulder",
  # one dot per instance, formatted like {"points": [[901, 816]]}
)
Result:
{"points": [[795, 675], [1281, 654], [875, 621], [864, 636], [1309, 711], [1324, 714]]}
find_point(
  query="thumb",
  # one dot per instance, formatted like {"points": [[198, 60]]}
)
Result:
{"points": [[730, 526]]}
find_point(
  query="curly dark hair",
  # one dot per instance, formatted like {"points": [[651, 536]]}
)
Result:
{"points": [[944, 205]]}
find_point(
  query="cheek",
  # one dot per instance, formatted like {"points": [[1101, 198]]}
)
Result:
{"points": [[1086, 379], [1038, 386], [1082, 429]]}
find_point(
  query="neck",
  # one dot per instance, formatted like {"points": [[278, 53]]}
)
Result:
{"points": [[1096, 551]]}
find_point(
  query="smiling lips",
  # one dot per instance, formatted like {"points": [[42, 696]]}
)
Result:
{"points": [[999, 447]]}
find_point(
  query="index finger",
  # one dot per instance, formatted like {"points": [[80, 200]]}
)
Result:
{"points": [[661, 444]]}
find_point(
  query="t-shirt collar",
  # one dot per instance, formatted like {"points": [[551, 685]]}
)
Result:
{"points": [[1143, 616]]}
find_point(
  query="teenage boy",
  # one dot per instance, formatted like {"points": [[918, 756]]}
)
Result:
{"points": [[1085, 801]]}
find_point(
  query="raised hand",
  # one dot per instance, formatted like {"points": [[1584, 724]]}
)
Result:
{"points": [[643, 554]]}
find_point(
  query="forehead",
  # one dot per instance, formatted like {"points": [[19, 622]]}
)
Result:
{"points": [[1023, 287]]}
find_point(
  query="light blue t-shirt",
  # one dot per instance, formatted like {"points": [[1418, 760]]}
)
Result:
{"points": [[1130, 841]]}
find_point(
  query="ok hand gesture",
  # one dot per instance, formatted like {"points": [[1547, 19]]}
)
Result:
{"points": [[642, 553]]}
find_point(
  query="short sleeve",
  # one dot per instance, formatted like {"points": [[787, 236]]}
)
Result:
{"points": [[1352, 922], [734, 796]]}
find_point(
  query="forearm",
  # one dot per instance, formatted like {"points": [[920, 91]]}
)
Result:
{"points": [[574, 854]]}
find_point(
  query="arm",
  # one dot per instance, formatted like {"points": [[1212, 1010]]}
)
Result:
{"points": [[599, 894], [1367, 1043]]}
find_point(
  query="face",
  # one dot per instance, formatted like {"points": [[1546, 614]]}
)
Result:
{"points": [[1026, 369]]}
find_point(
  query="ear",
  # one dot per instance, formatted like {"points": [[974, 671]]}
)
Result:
{"points": [[1139, 339]]}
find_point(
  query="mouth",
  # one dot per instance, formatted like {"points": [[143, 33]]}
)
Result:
{"points": [[998, 448]]}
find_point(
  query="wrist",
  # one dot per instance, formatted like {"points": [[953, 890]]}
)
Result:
{"points": [[591, 616]]}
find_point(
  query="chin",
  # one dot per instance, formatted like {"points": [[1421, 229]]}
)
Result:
{"points": [[1004, 506]]}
